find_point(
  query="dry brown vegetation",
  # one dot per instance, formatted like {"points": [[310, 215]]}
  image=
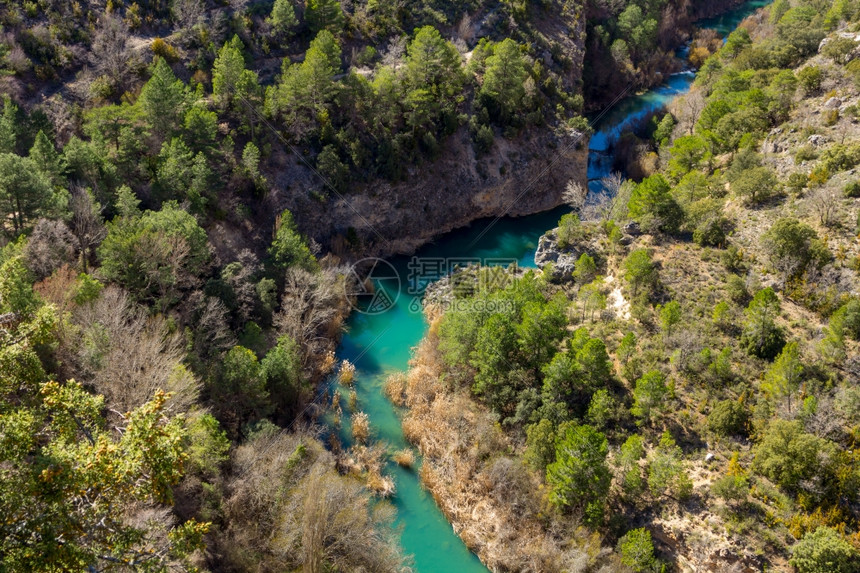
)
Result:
{"points": [[488, 496], [287, 507]]}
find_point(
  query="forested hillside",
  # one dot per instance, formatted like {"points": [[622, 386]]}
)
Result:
{"points": [[181, 184], [688, 393], [350, 111]]}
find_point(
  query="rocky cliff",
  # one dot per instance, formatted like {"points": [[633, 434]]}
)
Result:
{"points": [[517, 177]]}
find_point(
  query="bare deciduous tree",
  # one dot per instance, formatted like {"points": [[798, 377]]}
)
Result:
{"points": [[394, 51], [690, 106], [574, 194], [50, 247], [288, 505], [464, 28], [240, 276], [127, 355], [111, 54], [825, 201], [606, 205], [189, 13], [87, 224], [213, 329], [311, 309]]}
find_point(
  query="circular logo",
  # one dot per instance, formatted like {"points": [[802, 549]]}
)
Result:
{"points": [[372, 286]]}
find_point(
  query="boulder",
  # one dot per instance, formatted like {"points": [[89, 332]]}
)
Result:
{"points": [[817, 140], [833, 103], [632, 228], [563, 260], [547, 250]]}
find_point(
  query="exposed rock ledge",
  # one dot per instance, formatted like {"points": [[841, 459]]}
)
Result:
{"points": [[563, 259], [519, 177]]}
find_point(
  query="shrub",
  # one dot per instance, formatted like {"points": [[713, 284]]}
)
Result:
{"points": [[805, 153], [756, 185], [569, 230], [792, 458], [162, 49], [793, 246], [637, 550], [797, 181], [710, 233], [728, 418], [731, 488], [839, 49], [824, 551], [484, 138], [852, 190], [810, 79], [761, 336]]}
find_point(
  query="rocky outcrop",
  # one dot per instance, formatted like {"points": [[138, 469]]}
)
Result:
{"points": [[563, 261], [518, 177]]}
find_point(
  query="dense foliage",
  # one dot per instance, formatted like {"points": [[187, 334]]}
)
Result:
{"points": [[728, 327]]}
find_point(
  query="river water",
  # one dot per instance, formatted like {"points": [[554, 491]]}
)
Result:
{"points": [[380, 344]]}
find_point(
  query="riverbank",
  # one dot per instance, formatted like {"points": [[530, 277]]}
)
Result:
{"points": [[693, 413], [379, 345], [492, 500]]}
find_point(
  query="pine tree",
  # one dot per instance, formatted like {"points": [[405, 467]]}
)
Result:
{"points": [[579, 477], [324, 15], [163, 99], [8, 126], [433, 64], [26, 193], [48, 159], [283, 17], [503, 79], [227, 70], [201, 182], [784, 376]]}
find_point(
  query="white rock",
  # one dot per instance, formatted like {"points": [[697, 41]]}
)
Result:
{"points": [[833, 103]]}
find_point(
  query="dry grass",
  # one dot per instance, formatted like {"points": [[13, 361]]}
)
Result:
{"points": [[404, 458], [346, 376], [395, 388], [381, 485], [360, 428]]}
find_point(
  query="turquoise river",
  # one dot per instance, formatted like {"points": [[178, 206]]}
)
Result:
{"points": [[380, 344]]}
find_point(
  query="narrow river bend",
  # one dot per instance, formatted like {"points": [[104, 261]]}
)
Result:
{"points": [[380, 344]]}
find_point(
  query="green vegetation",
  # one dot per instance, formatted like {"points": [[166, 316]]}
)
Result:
{"points": [[164, 321], [720, 345]]}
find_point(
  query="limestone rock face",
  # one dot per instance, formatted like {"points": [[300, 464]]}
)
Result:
{"points": [[563, 260]]}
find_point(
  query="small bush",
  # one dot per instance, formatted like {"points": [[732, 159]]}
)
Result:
{"points": [[405, 458], [805, 153], [852, 190], [360, 428], [810, 79], [164, 50], [728, 418], [797, 181], [346, 376]]}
